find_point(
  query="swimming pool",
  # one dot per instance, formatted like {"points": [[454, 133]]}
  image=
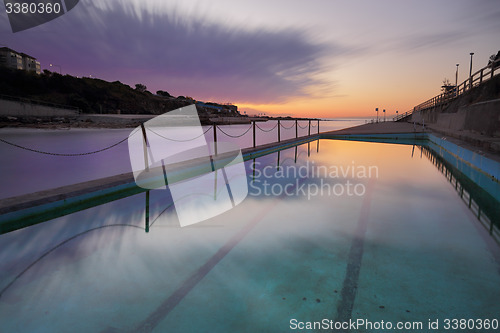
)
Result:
{"points": [[336, 230]]}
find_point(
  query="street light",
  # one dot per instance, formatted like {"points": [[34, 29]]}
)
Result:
{"points": [[470, 70], [376, 109], [60, 69], [456, 82], [384, 115]]}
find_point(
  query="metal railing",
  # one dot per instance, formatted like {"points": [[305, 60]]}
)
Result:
{"points": [[403, 115], [482, 75], [215, 128], [279, 125]]}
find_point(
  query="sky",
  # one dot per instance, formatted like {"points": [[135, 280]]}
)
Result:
{"points": [[315, 58]]}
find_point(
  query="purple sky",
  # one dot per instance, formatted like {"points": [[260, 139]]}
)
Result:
{"points": [[346, 56], [167, 52]]}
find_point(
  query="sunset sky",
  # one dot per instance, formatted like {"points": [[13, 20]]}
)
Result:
{"points": [[320, 58]]}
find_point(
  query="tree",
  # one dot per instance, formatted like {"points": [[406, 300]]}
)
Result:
{"points": [[163, 93], [493, 58], [140, 87], [447, 86]]}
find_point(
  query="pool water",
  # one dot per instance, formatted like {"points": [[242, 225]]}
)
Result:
{"points": [[336, 230], [25, 171]]}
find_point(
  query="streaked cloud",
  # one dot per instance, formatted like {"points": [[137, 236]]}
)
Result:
{"points": [[195, 57]]}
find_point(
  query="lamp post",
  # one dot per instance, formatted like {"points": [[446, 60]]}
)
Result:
{"points": [[396, 115], [470, 70], [456, 82], [384, 115], [376, 109], [60, 69]]}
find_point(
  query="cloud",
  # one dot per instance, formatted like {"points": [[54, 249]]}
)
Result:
{"points": [[193, 57], [434, 40]]}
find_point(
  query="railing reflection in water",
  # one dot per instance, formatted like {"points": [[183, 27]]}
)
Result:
{"points": [[484, 207], [147, 219]]}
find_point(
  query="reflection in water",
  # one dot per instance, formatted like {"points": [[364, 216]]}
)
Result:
{"points": [[18, 276], [484, 206], [266, 259]]}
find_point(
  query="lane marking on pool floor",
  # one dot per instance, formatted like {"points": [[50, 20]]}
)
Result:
{"points": [[350, 285], [173, 300]]}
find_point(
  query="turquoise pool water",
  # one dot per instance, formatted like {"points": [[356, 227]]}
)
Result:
{"points": [[335, 230]]}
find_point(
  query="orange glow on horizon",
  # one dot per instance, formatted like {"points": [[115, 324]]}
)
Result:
{"points": [[340, 107]]}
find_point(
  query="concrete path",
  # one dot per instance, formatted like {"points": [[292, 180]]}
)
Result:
{"points": [[380, 128]]}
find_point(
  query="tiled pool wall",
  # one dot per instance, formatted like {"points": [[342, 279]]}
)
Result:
{"points": [[465, 160]]}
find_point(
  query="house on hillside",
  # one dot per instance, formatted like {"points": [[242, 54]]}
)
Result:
{"points": [[213, 107], [12, 59], [219, 108], [30, 64]]}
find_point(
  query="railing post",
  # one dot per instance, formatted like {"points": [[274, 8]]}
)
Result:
{"points": [[146, 222], [492, 69], [215, 138], [481, 76], [145, 147], [296, 129], [309, 133], [279, 131], [253, 122], [318, 126]]}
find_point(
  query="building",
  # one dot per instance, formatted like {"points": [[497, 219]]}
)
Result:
{"points": [[10, 58], [13, 59], [227, 108], [30, 64]]}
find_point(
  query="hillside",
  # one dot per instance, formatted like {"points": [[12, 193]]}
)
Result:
{"points": [[92, 95]]}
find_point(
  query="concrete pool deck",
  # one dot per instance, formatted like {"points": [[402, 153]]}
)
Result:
{"points": [[17, 211]]}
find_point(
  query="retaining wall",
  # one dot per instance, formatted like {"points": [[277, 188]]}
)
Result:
{"points": [[482, 117], [21, 109], [477, 110]]}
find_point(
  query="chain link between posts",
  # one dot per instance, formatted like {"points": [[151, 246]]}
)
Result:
{"points": [[169, 139], [283, 126], [235, 136], [64, 154], [149, 129], [263, 130]]}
